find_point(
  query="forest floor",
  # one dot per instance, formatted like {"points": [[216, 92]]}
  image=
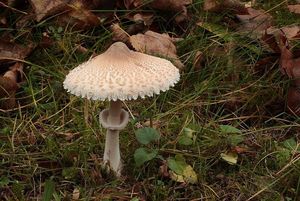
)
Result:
{"points": [[228, 130]]}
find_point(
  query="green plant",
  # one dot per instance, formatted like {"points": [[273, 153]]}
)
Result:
{"points": [[143, 154]]}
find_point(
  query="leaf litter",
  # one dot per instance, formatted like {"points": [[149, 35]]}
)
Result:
{"points": [[150, 39]]}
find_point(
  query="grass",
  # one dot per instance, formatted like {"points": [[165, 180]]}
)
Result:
{"points": [[53, 141]]}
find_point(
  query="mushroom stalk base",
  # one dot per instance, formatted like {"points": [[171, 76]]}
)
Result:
{"points": [[113, 119]]}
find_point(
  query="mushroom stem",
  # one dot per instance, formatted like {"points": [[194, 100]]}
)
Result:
{"points": [[114, 114], [112, 149]]}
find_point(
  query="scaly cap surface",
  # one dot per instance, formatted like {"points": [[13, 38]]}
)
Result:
{"points": [[120, 73]]}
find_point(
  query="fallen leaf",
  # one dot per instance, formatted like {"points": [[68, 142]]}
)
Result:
{"points": [[296, 72], [163, 169], [81, 49], [48, 7], [3, 21], [233, 6], [171, 5], [189, 175], [145, 18], [293, 101], [175, 6], [198, 59], [156, 44], [294, 8], [76, 194], [118, 33], [9, 86], [239, 150], [187, 137], [256, 22], [230, 157], [180, 171], [46, 41], [13, 51], [176, 177], [79, 16], [129, 4], [290, 32], [270, 41], [286, 58]]}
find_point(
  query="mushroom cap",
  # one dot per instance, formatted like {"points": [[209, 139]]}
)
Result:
{"points": [[120, 73]]}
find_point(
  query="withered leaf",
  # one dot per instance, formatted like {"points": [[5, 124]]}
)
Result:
{"points": [[119, 34], [171, 5], [290, 32], [293, 100], [294, 8], [198, 60], [146, 18], [9, 86], [156, 44], [129, 4], [270, 40], [233, 6], [13, 51], [256, 22], [48, 7], [296, 72], [286, 57], [79, 16]]}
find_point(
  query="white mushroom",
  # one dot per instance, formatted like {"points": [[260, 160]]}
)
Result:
{"points": [[116, 75]]}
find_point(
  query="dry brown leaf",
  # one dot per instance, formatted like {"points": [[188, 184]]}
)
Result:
{"points": [[76, 194], [171, 5], [290, 32], [129, 4], [233, 5], [163, 169], [142, 22], [286, 57], [294, 8], [198, 60], [296, 72], [293, 100], [3, 21], [119, 34], [270, 40], [79, 16], [48, 7], [146, 18], [9, 86], [256, 22], [13, 51], [156, 44]]}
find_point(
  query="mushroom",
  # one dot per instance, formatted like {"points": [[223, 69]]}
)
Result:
{"points": [[117, 75]]}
